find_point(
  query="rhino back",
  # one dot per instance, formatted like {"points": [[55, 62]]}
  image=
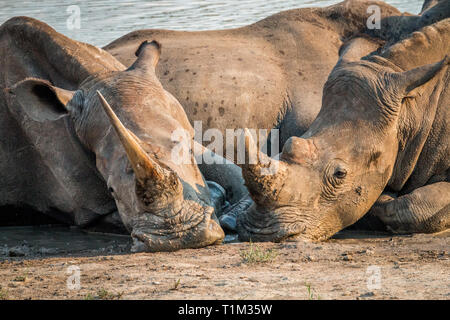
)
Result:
{"points": [[217, 78], [266, 75]]}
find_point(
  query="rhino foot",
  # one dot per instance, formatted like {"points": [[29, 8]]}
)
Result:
{"points": [[138, 246], [228, 222]]}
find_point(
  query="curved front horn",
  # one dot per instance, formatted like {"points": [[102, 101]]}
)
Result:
{"points": [[144, 167], [256, 159], [261, 173]]}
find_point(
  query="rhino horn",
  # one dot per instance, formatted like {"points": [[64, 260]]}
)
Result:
{"points": [[252, 152], [145, 169], [255, 178], [411, 79]]}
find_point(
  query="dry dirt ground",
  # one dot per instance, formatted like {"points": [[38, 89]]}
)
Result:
{"points": [[350, 266]]}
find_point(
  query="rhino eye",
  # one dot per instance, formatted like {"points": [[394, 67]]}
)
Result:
{"points": [[340, 173]]}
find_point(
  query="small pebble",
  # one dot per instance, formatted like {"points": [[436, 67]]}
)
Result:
{"points": [[347, 257]]}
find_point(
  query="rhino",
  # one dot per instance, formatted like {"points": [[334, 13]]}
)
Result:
{"points": [[265, 75], [269, 74], [379, 146], [89, 142]]}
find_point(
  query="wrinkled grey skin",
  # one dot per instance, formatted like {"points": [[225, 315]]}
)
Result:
{"points": [[430, 3], [269, 74], [61, 155], [381, 137], [400, 27]]}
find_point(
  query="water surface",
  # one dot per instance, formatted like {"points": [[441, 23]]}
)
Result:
{"points": [[102, 21]]}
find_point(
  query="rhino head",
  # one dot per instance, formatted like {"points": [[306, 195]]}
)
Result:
{"points": [[330, 177], [126, 119]]}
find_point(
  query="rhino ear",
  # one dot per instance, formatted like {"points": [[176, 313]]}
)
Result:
{"points": [[409, 80], [40, 100], [147, 55]]}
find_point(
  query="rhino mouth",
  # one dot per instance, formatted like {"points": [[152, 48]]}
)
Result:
{"points": [[261, 224], [192, 227]]}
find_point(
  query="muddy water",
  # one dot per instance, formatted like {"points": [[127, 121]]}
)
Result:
{"points": [[44, 241], [102, 21]]}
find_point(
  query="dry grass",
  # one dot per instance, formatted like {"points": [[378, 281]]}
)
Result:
{"points": [[254, 254], [312, 295], [103, 294], [3, 294]]}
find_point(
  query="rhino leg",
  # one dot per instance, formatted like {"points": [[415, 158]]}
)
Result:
{"points": [[218, 196], [425, 210], [109, 223], [228, 220], [223, 172]]}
